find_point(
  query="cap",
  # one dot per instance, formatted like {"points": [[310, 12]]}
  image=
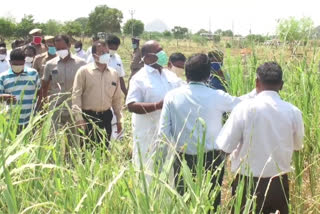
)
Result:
{"points": [[36, 30], [47, 38], [135, 39]]}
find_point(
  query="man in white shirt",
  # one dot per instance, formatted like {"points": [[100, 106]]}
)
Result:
{"points": [[79, 51], [181, 125], [147, 90], [262, 133], [90, 58], [4, 63]]}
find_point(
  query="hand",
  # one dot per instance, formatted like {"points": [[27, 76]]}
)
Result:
{"points": [[8, 98], [81, 124], [159, 105], [119, 128]]}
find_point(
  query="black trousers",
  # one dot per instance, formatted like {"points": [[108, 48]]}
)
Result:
{"points": [[277, 197], [100, 119], [212, 160]]}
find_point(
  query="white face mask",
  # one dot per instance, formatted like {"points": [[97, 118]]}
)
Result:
{"points": [[112, 52], [77, 49], [17, 68], [178, 71], [29, 59], [104, 59], [63, 53], [3, 56]]}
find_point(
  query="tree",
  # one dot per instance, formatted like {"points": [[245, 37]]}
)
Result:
{"points": [[72, 28], [105, 19], [179, 32], [25, 26], [294, 30], [167, 34], [52, 27], [218, 32], [133, 26], [256, 38], [83, 21], [7, 28], [227, 33], [202, 31]]}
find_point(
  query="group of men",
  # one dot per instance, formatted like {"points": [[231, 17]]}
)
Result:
{"points": [[176, 104]]}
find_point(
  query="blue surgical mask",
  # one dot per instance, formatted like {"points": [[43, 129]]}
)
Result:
{"points": [[134, 46], [216, 66], [52, 50]]}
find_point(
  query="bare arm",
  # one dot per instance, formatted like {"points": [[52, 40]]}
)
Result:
{"points": [[144, 108]]}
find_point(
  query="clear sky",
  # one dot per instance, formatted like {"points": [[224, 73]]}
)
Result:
{"points": [[259, 15]]}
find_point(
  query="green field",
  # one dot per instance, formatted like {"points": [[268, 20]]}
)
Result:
{"points": [[35, 176]]}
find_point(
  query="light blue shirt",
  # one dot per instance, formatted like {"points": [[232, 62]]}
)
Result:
{"points": [[191, 111]]}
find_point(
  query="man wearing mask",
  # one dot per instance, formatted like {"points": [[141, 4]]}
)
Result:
{"points": [[59, 73], [96, 89], [37, 41], [176, 64], [4, 64], [23, 91], [136, 63], [79, 51], [145, 99], [41, 60], [30, 53]]}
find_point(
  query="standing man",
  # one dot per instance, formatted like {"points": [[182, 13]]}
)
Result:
{"points": [[89, 51], [263, 132], [217, 79], [136, 63], [145, 99], [180, 124], [37, 41], [4, 64], [41, 60], [79, 51], [96, 89], [30, 53], [176, 64], [60, 73], [20, 86]]}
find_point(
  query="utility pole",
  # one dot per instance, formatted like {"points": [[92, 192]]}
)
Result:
{"points": [[132, 12]]}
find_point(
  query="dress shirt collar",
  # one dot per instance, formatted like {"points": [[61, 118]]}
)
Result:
{"points": [[71, 58], [95, 67], [197, 83], [23, 72], [272, 94], [149, 68]]}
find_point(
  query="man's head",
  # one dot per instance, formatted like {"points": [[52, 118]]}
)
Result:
{"points": [[100, 52], [3, 51], [62, 44], [135, 43], [177, 60], [30, 52], [113, 43], [95, 39], [198, 68], [36, 36], [17, 60], [78, 46], [17, 43], [153, 54], [49, 42], [269, 77], [216, 59]]}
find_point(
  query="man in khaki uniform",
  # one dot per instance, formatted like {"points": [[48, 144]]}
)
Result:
{"points": [[95, 90], [136, 63], [37, 41], [41, 59], [59, 73]]}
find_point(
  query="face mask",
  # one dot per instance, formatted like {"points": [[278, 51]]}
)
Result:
{"points": [[3, 56], [104, 59], [63, 53], [178, 71], [112, 52], [17, 68], [77, 49], [162, 58], [52, 50], [216, 66], [29, 59], [37, 40], [134, 46]]}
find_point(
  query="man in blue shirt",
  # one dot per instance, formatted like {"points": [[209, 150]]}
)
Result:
{"points": [[19, 86], [217, 79], [191, 120]]}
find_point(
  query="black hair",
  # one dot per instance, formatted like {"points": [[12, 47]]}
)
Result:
{"points": [[32, 48], [78, 44], [270, 73], [198, 67], [64, 38], [3, 45], [96, 44], [95, 38], [175, 57], [17, 54], [146, 49], [113, 40], [216, 55]]}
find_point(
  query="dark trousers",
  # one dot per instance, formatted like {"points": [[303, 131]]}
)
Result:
{"points": [[100, 119], [277, 197], [212, 160]]}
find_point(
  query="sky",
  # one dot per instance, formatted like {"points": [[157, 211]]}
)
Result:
{"points": [[240, 15]]}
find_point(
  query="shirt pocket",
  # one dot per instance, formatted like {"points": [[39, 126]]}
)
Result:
{"points": [[57, 80]]}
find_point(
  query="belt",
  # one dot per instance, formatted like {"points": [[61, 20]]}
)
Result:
{"points": [[95, 112]]}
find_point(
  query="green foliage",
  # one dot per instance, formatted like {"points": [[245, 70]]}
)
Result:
{"points": [[83, 21], [167, 34], [256, 38], [199, 39], [105, 19], [72, 28], [7, 28], [52, 27], [227, 33], [179, 32], [133, 27], [25, 26]]}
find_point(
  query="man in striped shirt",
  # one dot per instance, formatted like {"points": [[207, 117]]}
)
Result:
{"points": [[19, 86]]}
